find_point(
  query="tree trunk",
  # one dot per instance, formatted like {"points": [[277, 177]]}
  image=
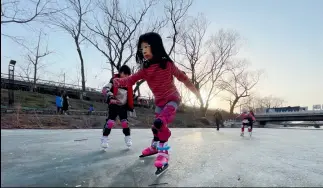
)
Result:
{"points": [[232, 106], [35, 76], [82, 64], [203, 111], [112, 69], [203, 107], [137, 88], [139, 94]]}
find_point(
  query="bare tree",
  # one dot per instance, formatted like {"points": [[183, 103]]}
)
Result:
{"points": [[176, 11], [78, 77], [256, 102], [71, 21], [185, 94], [115, 35], [25, 12], [249, 102], [77, 80], [34, 58], [15, 11], [205, 60], [239, 83], [193, 46], [25, 72], [270, 102]]}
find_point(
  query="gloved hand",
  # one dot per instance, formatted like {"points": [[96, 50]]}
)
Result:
{"points": [[108, 98], [113, 101], [104, 91]]}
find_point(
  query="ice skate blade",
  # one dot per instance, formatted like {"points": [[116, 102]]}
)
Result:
{"points": [[104, 149], [160, 171], [142, 156]]}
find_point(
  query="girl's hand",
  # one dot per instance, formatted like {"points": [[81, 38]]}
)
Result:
{"points": [[104, 91], [113, 101]]}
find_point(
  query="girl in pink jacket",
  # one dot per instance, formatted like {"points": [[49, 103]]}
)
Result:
{"points": [[159, 72]]}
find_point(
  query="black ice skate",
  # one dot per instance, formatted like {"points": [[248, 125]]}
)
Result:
{"points": [[159, 171]]}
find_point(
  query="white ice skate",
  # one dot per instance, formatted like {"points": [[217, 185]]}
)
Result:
{"points": [[128, 141], [104, 142], [242, 134], [250, 133]]}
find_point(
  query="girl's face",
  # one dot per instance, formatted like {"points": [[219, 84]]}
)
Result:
{"points": [[146, 51], [123, 75]]}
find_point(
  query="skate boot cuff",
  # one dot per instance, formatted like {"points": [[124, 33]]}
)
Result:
{"points": [[163, 154]]}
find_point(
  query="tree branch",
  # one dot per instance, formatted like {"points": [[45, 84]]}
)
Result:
{"points": [[11, 13]]}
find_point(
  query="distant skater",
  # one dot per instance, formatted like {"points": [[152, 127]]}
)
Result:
{"points": [[120, 100], [59, 103], [246, 117], [218, 119], [65, 103]]}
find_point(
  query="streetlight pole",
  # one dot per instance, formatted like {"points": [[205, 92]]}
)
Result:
{"points": [[11, 79]]}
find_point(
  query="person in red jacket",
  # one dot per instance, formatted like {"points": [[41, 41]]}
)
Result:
{"points": [[159, 71], [247, 120], [120, 100]]}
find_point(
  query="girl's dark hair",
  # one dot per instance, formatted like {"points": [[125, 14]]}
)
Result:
{"points": [[125, 70], [157, 49]]}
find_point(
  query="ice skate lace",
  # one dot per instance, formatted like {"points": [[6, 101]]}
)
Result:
{"points": [[154, 145], [128, 140]]}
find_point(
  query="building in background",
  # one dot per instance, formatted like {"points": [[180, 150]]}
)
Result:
{"points": [[317, 107], [281, 109]]}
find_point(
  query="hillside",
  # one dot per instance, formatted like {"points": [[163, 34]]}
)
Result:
{"points": [[185, 117]]}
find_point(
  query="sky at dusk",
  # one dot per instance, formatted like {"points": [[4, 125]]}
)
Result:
{"points": [[283, 38]]}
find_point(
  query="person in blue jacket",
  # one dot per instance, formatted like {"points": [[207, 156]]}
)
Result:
{"points": [[59, 102]]}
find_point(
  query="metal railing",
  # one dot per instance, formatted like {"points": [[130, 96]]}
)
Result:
{"points": [[308, 112], [50, 83]]}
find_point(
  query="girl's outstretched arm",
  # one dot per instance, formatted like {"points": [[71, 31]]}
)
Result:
{"points": [[129, 81], [182, 77]]}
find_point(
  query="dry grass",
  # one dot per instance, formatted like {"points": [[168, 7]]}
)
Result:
{"points": [[24, 121], [144, 118], [37, 100]]}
